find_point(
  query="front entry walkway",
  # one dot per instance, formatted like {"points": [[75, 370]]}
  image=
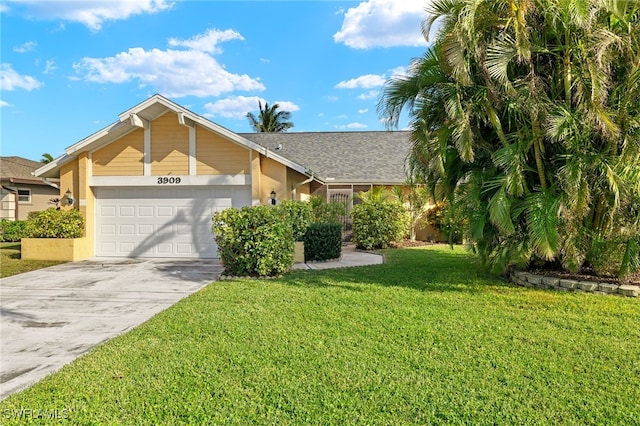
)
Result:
{"points": [[51, 316]]}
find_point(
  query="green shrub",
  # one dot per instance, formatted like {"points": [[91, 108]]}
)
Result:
{"points": [[254, 241], [52, 223], [445, 220], [299, 214], [324, 212], [377, 223], [11, 230], [323, 241]]}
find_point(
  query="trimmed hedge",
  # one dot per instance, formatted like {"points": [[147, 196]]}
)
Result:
{"points": [[254, 241], [11, 230], [299, 214], [378, 223], [52, 223], [323, 241]]}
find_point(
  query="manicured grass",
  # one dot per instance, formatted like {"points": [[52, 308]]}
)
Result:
{"points": [[424, 339], [12, 264]]}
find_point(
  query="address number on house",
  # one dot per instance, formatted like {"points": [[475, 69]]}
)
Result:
{"points": [[168, 180]]}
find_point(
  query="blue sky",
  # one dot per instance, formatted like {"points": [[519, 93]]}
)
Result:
{"points": [[70, 67]]}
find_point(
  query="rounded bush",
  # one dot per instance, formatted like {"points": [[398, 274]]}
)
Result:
{"points": [[254, 241], [53, 223], [11, 230], [376, 224], [299, 214]]}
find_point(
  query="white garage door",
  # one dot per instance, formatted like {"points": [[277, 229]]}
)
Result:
{"points": [[162, 222]]}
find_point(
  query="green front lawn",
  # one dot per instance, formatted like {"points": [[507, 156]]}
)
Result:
{"points": [[424, 339], [12, 264]]}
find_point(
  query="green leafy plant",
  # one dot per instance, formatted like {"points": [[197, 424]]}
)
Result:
{"points": [[299, 214], [323, 241], [327, 212], [444, 219], [53, 223], [415, 199], [378, 223], [524, 118], [254, 241], [11, 230]]}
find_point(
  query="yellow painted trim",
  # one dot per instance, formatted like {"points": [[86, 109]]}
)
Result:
{"points": [[56, 249], [298, 252]]}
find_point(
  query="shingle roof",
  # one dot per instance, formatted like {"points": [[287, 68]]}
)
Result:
{"points": [[18, 168], [350, 157]]}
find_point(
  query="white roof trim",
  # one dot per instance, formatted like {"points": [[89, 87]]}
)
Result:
{"points": [[124, 119], [58, 162]]}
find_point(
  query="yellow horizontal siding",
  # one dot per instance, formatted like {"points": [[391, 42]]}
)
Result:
{"points": [[217, 156], [124, 157], [169, 146]]}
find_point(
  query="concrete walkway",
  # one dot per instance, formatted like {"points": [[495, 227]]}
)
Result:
{"points": [[51, 316], [350, 257]]}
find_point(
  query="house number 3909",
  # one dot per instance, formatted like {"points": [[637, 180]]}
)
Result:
{"points": [[163, 180]]}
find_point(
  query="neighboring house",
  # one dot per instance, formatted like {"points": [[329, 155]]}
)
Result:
{"points": [[149, 183], [20, 191]]}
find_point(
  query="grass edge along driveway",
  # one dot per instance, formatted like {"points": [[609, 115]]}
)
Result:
{"points": [[425, 338], [12, 264]]}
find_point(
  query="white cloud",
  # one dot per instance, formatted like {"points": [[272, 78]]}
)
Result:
{"points": [[363, 111], [25, 47], [364, 81], [174, 73], [352, 126], [398, 71], [91, 13], [321, 114], [287, 106], [265, 60], [49, 66], [383, 23], [4, 104], [332, 98], [207, 42], [372, 94], [343, 116], [11, 80], [239, 106]]}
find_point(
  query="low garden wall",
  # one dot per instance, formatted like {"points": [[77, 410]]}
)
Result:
{"points": [[56, 249], [527, 279]]}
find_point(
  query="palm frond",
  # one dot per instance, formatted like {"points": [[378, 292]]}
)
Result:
{"points": [[542, 219]]}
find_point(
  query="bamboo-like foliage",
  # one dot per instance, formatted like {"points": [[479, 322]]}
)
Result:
{"points": [[525, 115]]}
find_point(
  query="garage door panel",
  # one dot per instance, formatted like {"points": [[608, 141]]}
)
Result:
{"points": [[126, 230], [161, 222], [145, 211]]}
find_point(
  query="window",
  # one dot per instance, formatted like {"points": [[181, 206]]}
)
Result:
{"points": [[24, 195]]}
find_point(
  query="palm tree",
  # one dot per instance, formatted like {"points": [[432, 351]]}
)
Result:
{"points": [[46, 158], [270, 119], [525, 119]]}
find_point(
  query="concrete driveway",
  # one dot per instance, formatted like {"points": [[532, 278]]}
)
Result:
{"points": [[52, 316]]}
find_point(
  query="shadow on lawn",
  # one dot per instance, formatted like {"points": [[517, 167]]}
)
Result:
{"points": [[422, 269]]}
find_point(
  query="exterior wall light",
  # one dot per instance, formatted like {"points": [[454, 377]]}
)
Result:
{"points": [[273, 197], [68, 197]]}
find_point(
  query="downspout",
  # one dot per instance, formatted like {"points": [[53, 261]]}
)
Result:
{"points": [[295, 187]]}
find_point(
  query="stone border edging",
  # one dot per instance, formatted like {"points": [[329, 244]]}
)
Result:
{"points": [[527, 279]]}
